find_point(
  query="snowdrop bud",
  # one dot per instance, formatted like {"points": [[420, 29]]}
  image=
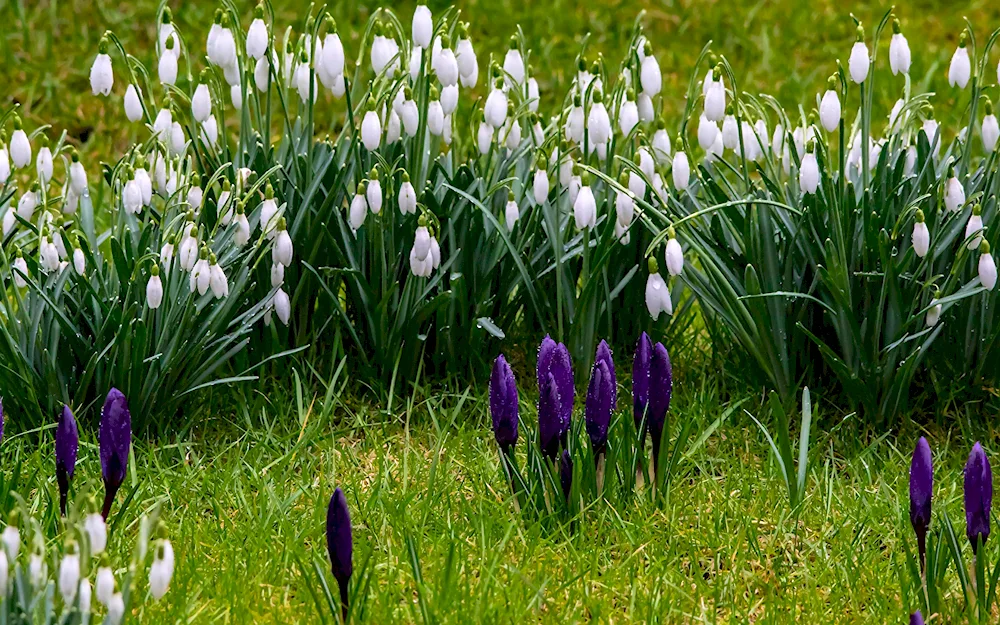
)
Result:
{"points": [[829, 107], [484, 137], [36, 568], [4, 574], [178, 143], [262, 74], [540, 182], [217, 279], [435, 253], [77, 175], [409, 114], [930, 130], [934, 312], [282, 306], [133, 105], [585, 206], [730, 133], [960, 69], [954, 192], [975, 227], [161, 570], [11, 536], [19, 269], [4, 160], [674, 255], [102, 78], [512, 132], [105, 583], [715, 102], [575, 120], [305, 84], [449, 99], [69, 573], [636, 184], [628, 114], [435, 115], [43, 163], [20, 147], [990, 129], [511, 212], [201, 273], [416, 62], [533, 95], [371, 128], [645, 106], [899, 51], [859, 61], [277, 275], [242, 234], [79, 262], [598, 122], [921, 235], [444, 64], [422, 240], [201, 103], [407, 196], [495, 109], [513, 64], [661, 146], [162, 125], [116, 609], [649, 73], [167, 68], [468, 64], [987, 267], [257, 35], [624, 202], [222, 52], [657, 294], [707, 131], [423, 26], [374, 192], [359, 208], [681, 169], [537, 132], [27, 203]]}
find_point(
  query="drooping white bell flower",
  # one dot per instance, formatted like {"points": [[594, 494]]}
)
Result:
{"points": [[628, 114], [449, 99], [79, 262], [954, 192], [960, 69], [987, 267], [715, 102], [282, 306], [650, 77], [921, 236], [371, 128], [761, 136], [598, 121], [829, 107], [533, 95], [43, 164], [77, 175], [407, 196], [495, 109], [373, 194], [511, 212], [990, 128], [484, 137], [930, 130], [161, 125], [11, 536], [162, 569], [730, 133], [934, 312], [566, 167], [27, 203], [305, 83], [201, 103], [409, 114], [540, 182], [423, 26], [154, 297], [102, 77], [674, 255], [48, 255], [622, 233], [445, 65], [681, 170], [69, 574], [468, 64], [178, 142], [899, 51], [133, 104], [537, 132], [210, 131], [4, 164], [201, 274], [20, 147], [167, 67], [262, 74], [217, 279], [257, 36], [333, 53], [105, 584], [132, 196], [585, 206], [897, 108], [661, 146], [707, 131], [573, 189], [242, 233], [624, 205], [512, 133], [116, 609], [636, 184], [37, 571], [435, 116], [19, 269], [359, 208], [513, 65], [974, 227], [268, 210], [187, 252], [859, 61], [809, 173], [657, 294], [222, 50]]}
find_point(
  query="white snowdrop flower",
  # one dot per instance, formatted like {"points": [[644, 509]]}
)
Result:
{"points": [[573, 189], [987, 267], [277, 275], [921, 237], [624, 207], [27, 203], [628, 115], [657, 294], [116, 609], [930, 129], [645, 161], [195, 196], [708, 81], [661, 146], [242, 233], [133, 104], [622, 233], [43, 164], [533, 95], [373, 194], [540, 183], [69, 574], [4, 574], [187, 253], [585, 206], [859, 61], [222, 51], [394, 129], [257, 36], [897, 108], [484, 137], [934, 312], [166, 35], [381, 51], [511, 212], [225, 205], [162, 125], [48, 255], [409, 114], [422, 240], [422, 268], [371, 128], [71, 202], [707, 131], [19, 269], [760, 136], [282, 306], [77, 175], [161, 570], [674, 255], [416, 62], [105, 584], [468, 64], [435, 116], [730, 133], [513, 65], [566, 166], [681, 170], [407, 201], [145, 184], [809, 173], [178, 142], [305, 83], [210, 131], [57, 240], [11, 536], [649, 74], [423, 26], [495, 109], [79, 262], [37, 569], [575, 121], [449, 99], [4, 164], [217, 280], [435, 253], [201, 103], [899, 51], [85, 593], [715, 102], [20, 147], [102, 78], [262, 74], [359, 208], [201, 274], [167, 67], [166, 257], [974, 227], [960, 69], [445, 65], [954, 192], [778, 140], [132, 197], [537, 132], [512, 134], [659, 187], [154, 297], [990, 130], [829, 108], [645, 107], [333, 53], [636, 184]]}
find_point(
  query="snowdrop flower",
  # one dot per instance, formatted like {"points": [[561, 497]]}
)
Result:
{"points": [[222, 48], [201, 273], [636, 185], [217, 279], [585, 206], [537, 132], [4, 161], [730, 133], [257, 35], [859, 61], [513, 64], [894, 113], [407, 196], [359, 208], [374, 192], [435, 114], [921, 236], [305, 84], [423, 26], [102, 78], [162, 569], [20, 147], [987, 267], [628, 114], [116, 609], [132, 195], [43, 163], [645, 105], [511, 212], [674, 254], [649, 73], [657, 294], [77, 175], [990, 128], [282, 306], [930, 129], [960, 69], [242, 233], [105, 582], [142, 177], [11, 536], [36, 568], [681, 169], [133, 104], [282, 250], [178, 143], [19, 269], [4, 574], [371, 128], [79, 261], [162, 124], [975, 227], [707, 131], [540, 181], [715, 102], [277, 275], [809, 172], [167, 67], [333, 54], [829, 107], [69, 573], [573, 189], [512, 132], [409, 114], [954, 192], [416, 62], [48, 255], [899, 51], [187, 253], [598, 122], [444, 63], [383, 50], [27, 203], [661, 146], [201, 102], [533, 95], [262, 73], [574, 122], [934, 312], [449, 99], [167, 252], [484, 137], [495, 109], [624, 202]]}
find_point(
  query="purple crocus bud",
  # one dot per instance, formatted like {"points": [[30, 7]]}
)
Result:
{"points": [[67, 444], [548, 417], [1, 420], [917, 618], [640, 382], [503, 404], [661, 386], [978, 497], [115, 441], [600, 399], [921, 486], [554, 359], [566, 473], [340, 544], [604, 354]]}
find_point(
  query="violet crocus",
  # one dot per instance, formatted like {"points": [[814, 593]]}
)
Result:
{"points": [[67, 445], [548, 417], [554, 361], [640, 383], [115, 441], [921, 486], [598, 408], [661, 386], [503, 405], [604, 354], [340, 545], [978, 497], [566, 473], [917, 618]]}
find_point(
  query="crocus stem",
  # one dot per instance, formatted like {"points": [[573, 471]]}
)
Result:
{"points": [[601, 461], [344, 603], [109, 498], [63, 481], [507, 460], [922, 551]]}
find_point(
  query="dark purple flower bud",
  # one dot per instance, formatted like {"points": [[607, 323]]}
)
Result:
{"points": [[548, 417], [340, 544], [503, 404], [67, 445], [921, 486], [115, 441], [600, 398], [604, 354], [640, 381], [566, 473], [661, 386], [978, 497], [917, 618], [554, 359], [1, 420]]}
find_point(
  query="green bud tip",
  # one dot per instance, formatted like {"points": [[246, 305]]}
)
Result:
{"points": [[647, 48], [434, 93], [510, 196], [581, 64], [204, 253], [671, 233], [919, 216], [623, 178], [102, 47], [984, 247], [170, 43], [989, 106], [962, 38], [362, 188], [212, 260], [407, 93], [977, 210], [585, 179], [895, 25], [630, 94], [861, 33], [258, 12], [654, 267], [166, 16], [445, 42], [512, 44], [218, 16], [422, 221], [595, 68], [371, 103], [542, 162], [282, 224], [288, 46], [331, 24], [225, 20], [374, 173], [831, 83], [577, 101], [598, 97], [154, 270], [406, 177], [498, 83]]}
